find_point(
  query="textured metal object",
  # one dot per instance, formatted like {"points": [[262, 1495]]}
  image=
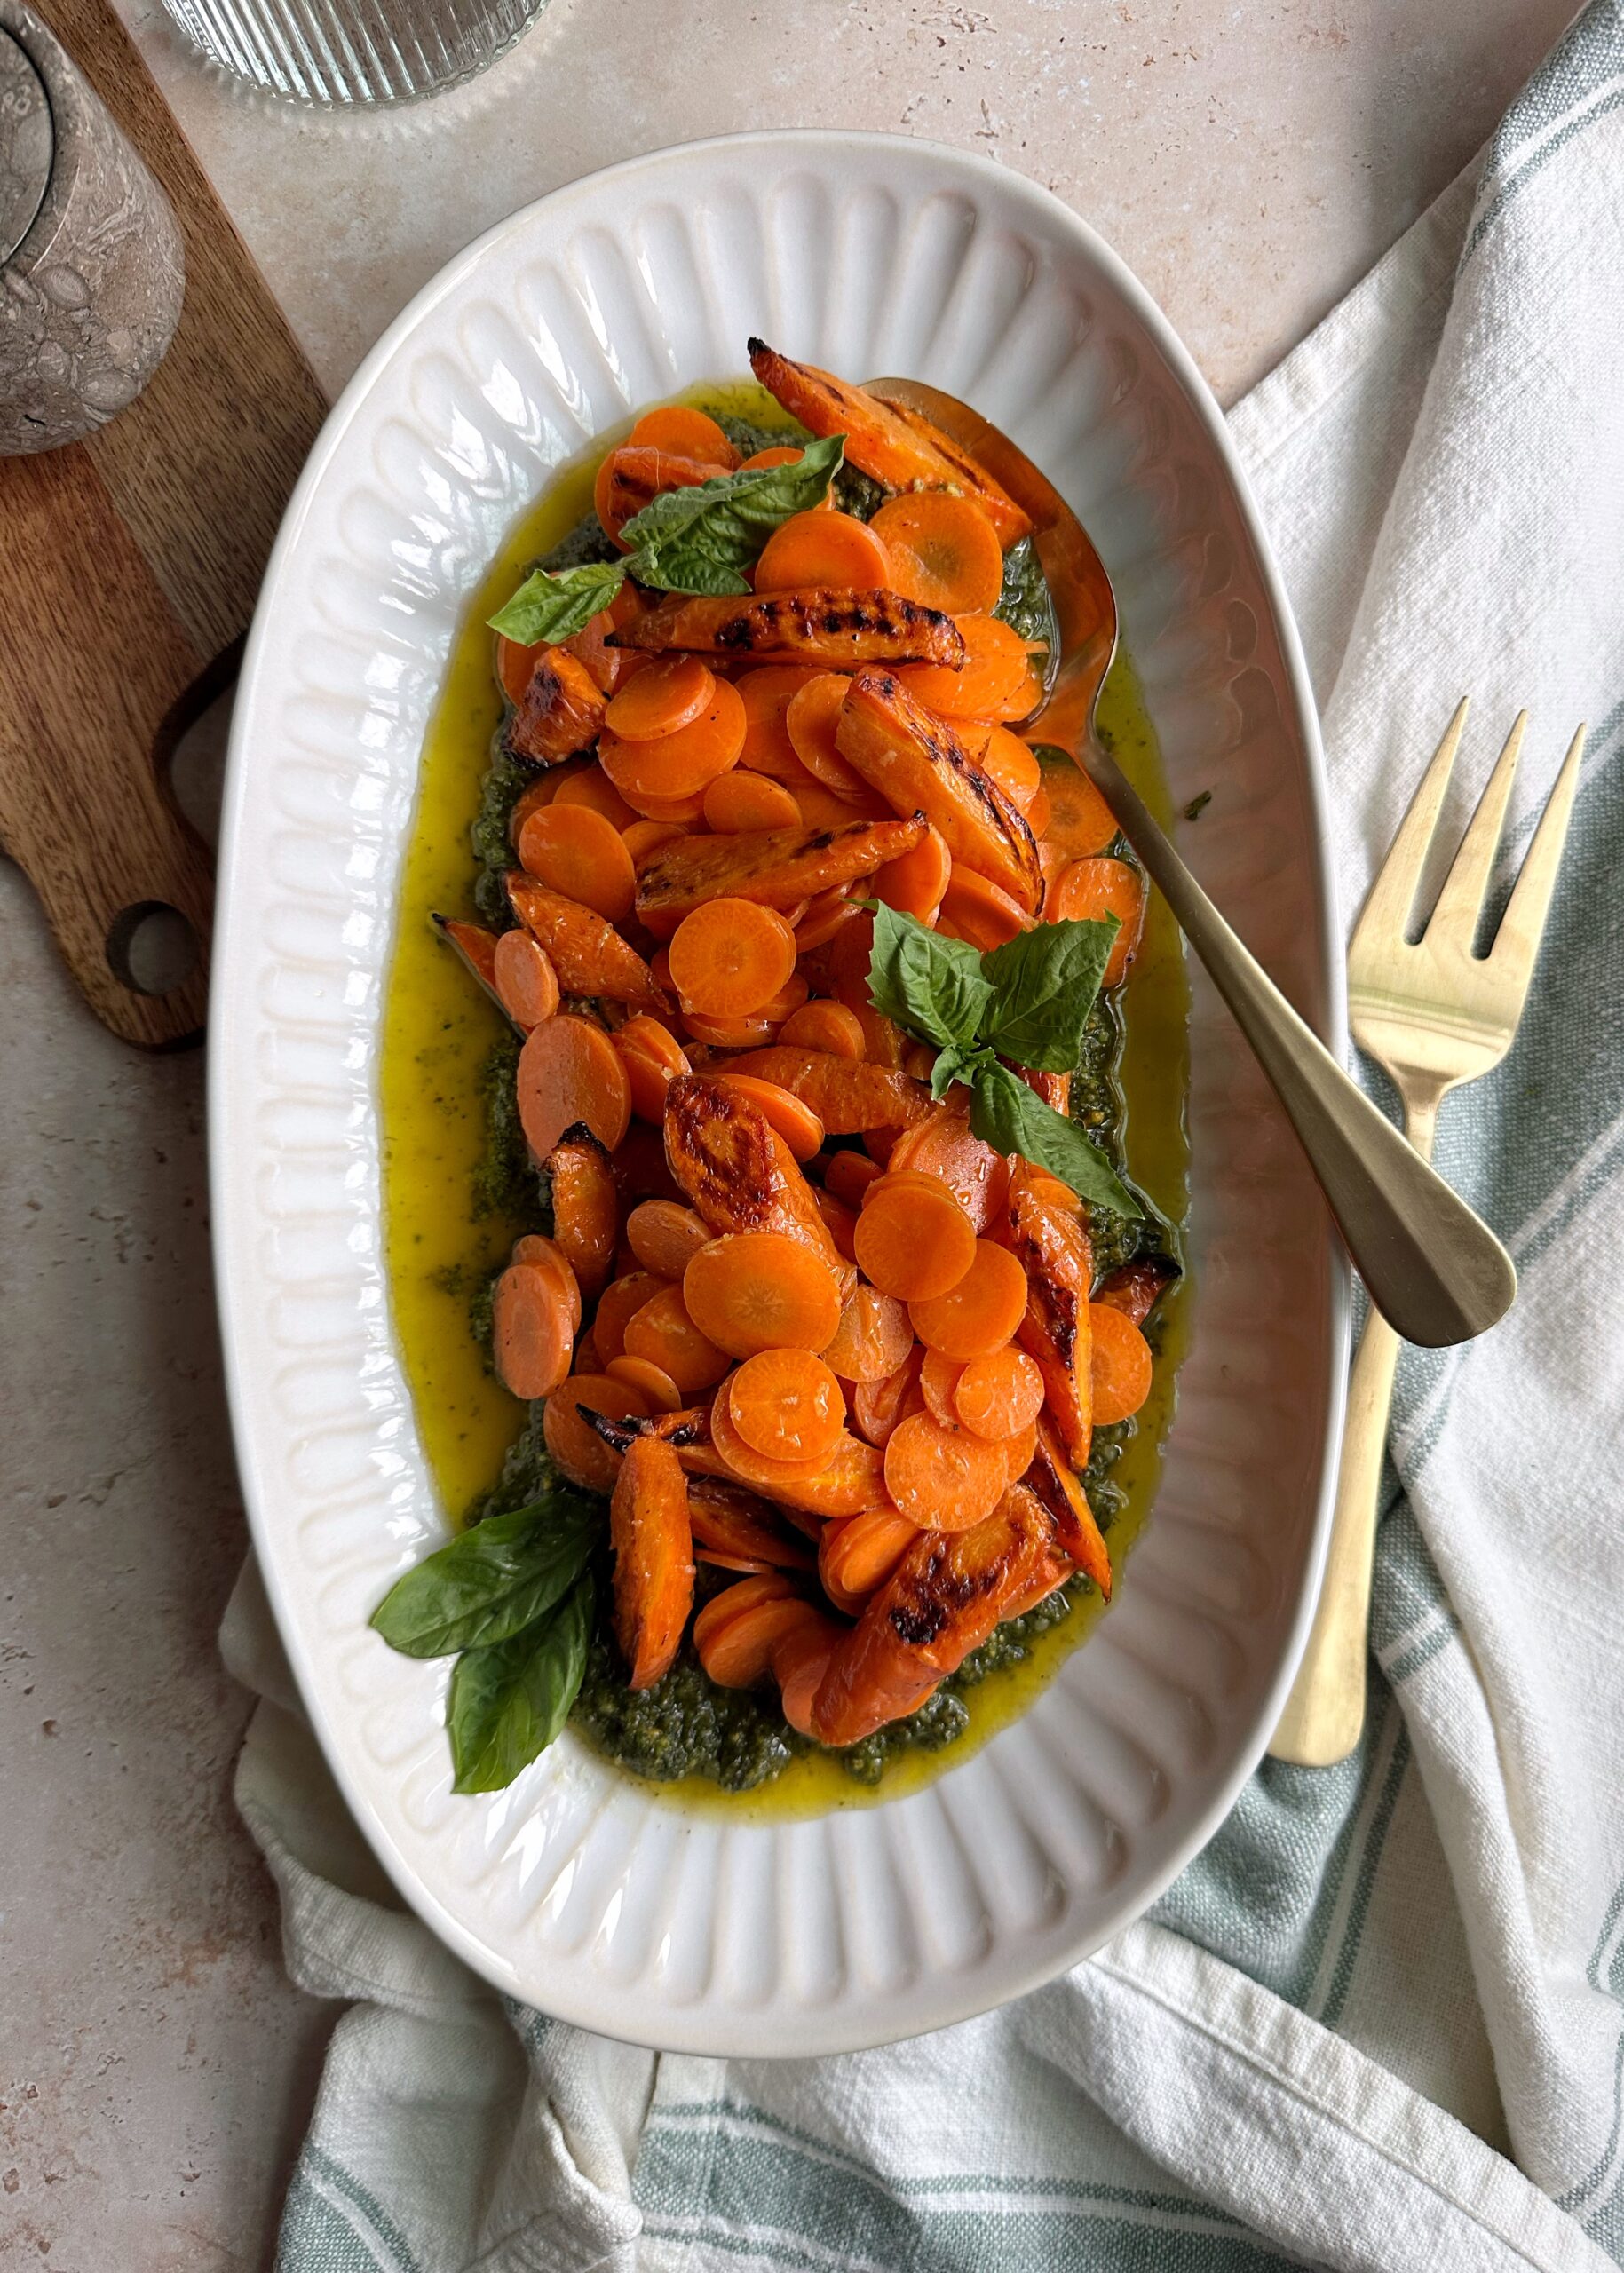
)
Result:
{"points": [[90, 292], [1433, 1014], [1437, 1272]]}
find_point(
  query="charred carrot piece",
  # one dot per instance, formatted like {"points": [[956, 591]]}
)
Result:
{"points": [[736, 1169], [587, 951], [1077, 1533], [1052, 1249], [900, 448], [919, 766], [734, 1522], [585, 1211], [778, 868], [653, 1559], [828, 625], [560, 711], [475, 948], [846, 1096], [638, 472], [1135, 1288], [942, 1601]]}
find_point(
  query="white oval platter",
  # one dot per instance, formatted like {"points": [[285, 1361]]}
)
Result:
{"points": [[573, 1890]]}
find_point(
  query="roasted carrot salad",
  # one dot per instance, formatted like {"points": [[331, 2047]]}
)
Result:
{"points": [[833, 1310]]}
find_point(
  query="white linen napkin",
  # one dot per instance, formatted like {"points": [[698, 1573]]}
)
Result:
{"points": [[1377, 2023]]}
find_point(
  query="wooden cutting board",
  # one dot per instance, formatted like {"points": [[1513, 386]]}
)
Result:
{"points": [[129, 566]]}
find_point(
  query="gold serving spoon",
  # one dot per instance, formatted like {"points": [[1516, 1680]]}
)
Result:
{"points": [[1434, 1271]]}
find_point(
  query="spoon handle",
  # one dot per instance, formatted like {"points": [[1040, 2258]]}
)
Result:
{"points": [[1434, 1271]]}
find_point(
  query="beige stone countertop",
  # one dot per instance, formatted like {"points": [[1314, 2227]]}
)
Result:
{"points": [[1251, 162]]}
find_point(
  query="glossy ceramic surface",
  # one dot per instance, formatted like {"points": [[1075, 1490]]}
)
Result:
{"points": [[576, 1890]]}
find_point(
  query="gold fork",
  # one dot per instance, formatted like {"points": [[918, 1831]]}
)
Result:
{"points": [[1431, 1014]]}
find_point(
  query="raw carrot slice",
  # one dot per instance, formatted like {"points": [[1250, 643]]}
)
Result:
{"points": [[619, 1304], [761, 1470], [976, 909], [872, 1337], [1014, 768], [739, 801], [826, 913], [689, 433], [536, 1248], [531, 1337], [914, 1240], [662, 1332], [942, 1479], [1000, 1395], [575, 1445], [945, 548], [1120, 1364], [577, 853], [767, 694], [591, 786], [859, 1554], [653, 1381], [750, 1291], [877, 1406], [641, 837], [739, 1652], [728, 1033], [938, 1384], [996, 671], [942, 1145], [585, 1210], [1080, 823], [914, 883], [652, 1057], [570, 1071], [796, 1123], [525, 982], [800, 1659], [731, 956], [665, 1237], [1102, 887], [653, 1543], [681, 763], [817, 548], [826, 1026], [848, 1176], [787, 1404], [980, 1314], [672, 692]]}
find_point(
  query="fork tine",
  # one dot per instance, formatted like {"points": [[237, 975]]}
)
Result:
{"points": [[1386, 912], [1517, 943], [1460, 903]]}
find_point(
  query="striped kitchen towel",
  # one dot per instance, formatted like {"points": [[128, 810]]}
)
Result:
{"points": [[1379, 2024]]}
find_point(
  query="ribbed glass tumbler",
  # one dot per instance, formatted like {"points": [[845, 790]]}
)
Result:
{"points": [[332, 52]]}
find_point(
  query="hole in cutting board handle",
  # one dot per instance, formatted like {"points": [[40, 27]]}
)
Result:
{"points": [[152, 947]]}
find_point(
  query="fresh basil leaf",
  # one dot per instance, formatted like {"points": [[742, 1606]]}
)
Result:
{"points": [[1044, 983], [703, 539], [929, 984], [508, 1702], [555, 605], [490, 1580], [1005, 1113]]}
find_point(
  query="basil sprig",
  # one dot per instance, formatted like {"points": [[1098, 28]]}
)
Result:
{"points": [[697, 540], [511, 1599], [1026, 1003]]}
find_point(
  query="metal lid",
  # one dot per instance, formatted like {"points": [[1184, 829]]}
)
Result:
{"points": [[26, 144]]}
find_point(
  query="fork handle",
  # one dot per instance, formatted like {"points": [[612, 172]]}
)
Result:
{"points": [[1434, 1271]]}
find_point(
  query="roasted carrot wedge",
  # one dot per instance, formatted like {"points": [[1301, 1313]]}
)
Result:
{"points": [[475, 948], [846, 1096], [653, 1559], [1052, 1249], [738, 1522], [1135, 1288], [919, 764], [638, 472], [584, 948], [900, 448], [1076, 1532], [941, 1602], [778, 867], [828, 625], [561, 712], [585, 1208], [736, 1169]]}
